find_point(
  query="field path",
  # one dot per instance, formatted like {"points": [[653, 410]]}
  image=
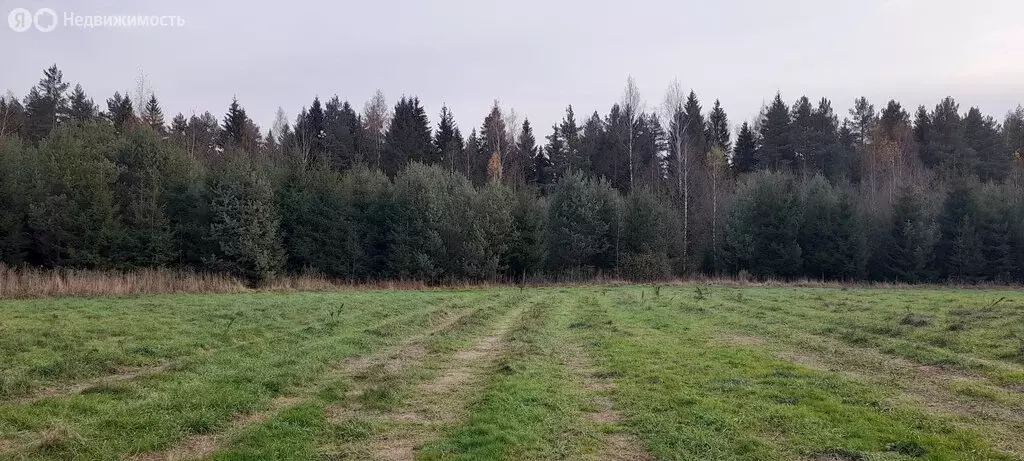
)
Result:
{"points": [[198, 446], [438, 402], [615, 443]]}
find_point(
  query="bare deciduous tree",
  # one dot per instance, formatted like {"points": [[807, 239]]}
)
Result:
{"points": [[280, 124], [376, 117], [632, 107], [143, 91], [679, 131]]}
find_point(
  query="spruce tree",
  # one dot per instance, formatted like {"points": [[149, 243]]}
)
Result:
{"points": [[775, 150], [153, 116], [908, 254], [408, 138], [448, 144], [557, 153], [81, 107], [595, 147], [575, 159], [342, 134], [744, 157], [526, 145], [718, 128], [234, 130], [822, 150], [802, 132], [831, 240]]}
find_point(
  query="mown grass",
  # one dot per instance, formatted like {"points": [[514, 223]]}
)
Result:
{"points": [[719, 372]]}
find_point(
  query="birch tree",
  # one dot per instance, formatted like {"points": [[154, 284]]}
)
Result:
{"points": [[632, 107]]}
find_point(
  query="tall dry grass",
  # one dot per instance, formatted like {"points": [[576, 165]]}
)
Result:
{"points": [[25, 282]]}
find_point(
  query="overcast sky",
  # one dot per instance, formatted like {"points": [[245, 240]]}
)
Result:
{"points": [[534, 56]]}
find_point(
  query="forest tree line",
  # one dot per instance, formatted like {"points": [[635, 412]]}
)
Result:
{"points": [[931, 194]]}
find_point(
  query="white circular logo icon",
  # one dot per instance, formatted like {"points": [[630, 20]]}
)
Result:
{"points": [[20, 19], [45, 19]]}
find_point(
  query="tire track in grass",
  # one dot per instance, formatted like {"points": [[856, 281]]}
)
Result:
{"points": [[615, 443], [77, 387], [197, 446], [971, 399], [439, 402], [528, 407]]}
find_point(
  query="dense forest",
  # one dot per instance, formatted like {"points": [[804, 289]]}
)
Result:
{"points": [[888, 193]]}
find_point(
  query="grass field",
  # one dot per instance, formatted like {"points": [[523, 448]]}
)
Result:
{"points": [[594, 373]]}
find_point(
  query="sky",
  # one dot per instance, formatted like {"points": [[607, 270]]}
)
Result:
{"points": [[534, 56]]}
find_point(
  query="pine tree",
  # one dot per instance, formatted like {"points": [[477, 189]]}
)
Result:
{"points": [[864, 119], [179, 124], [72, 217], [120, 112], [763, 227], [647, 234], [145, 237], [892, 119], [775, 151], [244, 225], [744, 158], [153, 116], [583, 225], [526, 249], [944, 145], [16, 195], [46, 104], [985, 145], [408, 137]]}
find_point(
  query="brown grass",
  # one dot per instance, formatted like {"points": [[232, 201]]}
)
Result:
{"points": [[28, 282], [33, 283]]}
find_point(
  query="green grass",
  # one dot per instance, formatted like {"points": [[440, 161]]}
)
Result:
{"points": [[727, 373]]}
